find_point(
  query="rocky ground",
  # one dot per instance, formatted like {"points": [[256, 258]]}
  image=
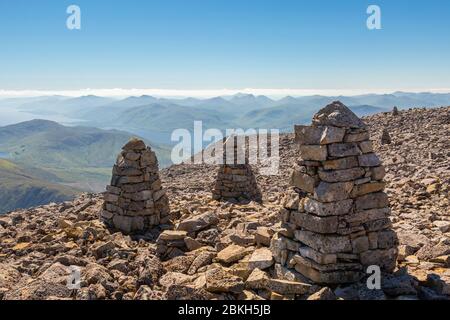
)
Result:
{"points": [[220, 250]]}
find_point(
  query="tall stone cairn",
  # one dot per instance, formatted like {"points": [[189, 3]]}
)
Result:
{"points": [[135, 201], [336, 217], [235, 179]]}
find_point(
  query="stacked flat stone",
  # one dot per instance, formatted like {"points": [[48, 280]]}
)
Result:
{"points": [[135, 201], [235, 179], [336, 218]]}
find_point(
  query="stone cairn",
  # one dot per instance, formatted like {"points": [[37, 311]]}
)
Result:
{"points": [[385, 137], [395, 111], [235, 179], [336, 216], [135, 201]]}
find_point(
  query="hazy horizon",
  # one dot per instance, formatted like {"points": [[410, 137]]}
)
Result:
{"points": [[119, 93]]}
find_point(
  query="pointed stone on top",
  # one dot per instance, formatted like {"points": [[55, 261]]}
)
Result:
{"points": [[134, 144], [337, 114]]}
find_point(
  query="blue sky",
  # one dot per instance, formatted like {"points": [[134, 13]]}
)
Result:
{"points": [[215, 44]]}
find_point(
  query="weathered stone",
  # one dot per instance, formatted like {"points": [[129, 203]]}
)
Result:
{"points": [[324, 243], [378, 173], [128, 224], [111, 198], [336, 277], [303, 181], [430, 251], [232, 253], [218, 280], [291, 200], [102, 249], [313, 223], [170, 235], [263, 236], [332, 135], [357, 137], [179, 263], [188, 292], [341, 164], [377, 225], [320, 258], [242, 239], [371, 201], [199, 222], [323, 294], [369, 160], [192, 244], [341, 175], [328, 209], [360, 244], [261, 258], [134, 144], [340, 266], [385, 259], [133, 156], [113, 190], [148, 158], [397, 285], [373, 240], [366, 146], [307, 135], [331, 192], [201, 259], [387, 239], [366, 188], [131, 179], [341, 150], [288, 287], [360, 217], [314, 153], [441, 285], [337, 114], [257, 279]]}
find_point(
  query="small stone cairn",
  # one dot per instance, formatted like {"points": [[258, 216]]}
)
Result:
{"points": [[336, 217], [235, 179], [395, 111], [385, 137], [135, 201]]}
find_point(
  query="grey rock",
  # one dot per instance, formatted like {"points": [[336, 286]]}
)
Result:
{"points": [[338, 115]]}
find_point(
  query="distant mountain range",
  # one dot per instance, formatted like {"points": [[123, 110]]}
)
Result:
{"points": [[155, 118]]}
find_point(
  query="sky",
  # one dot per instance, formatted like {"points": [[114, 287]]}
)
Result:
{"points": [[200, 46]]}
